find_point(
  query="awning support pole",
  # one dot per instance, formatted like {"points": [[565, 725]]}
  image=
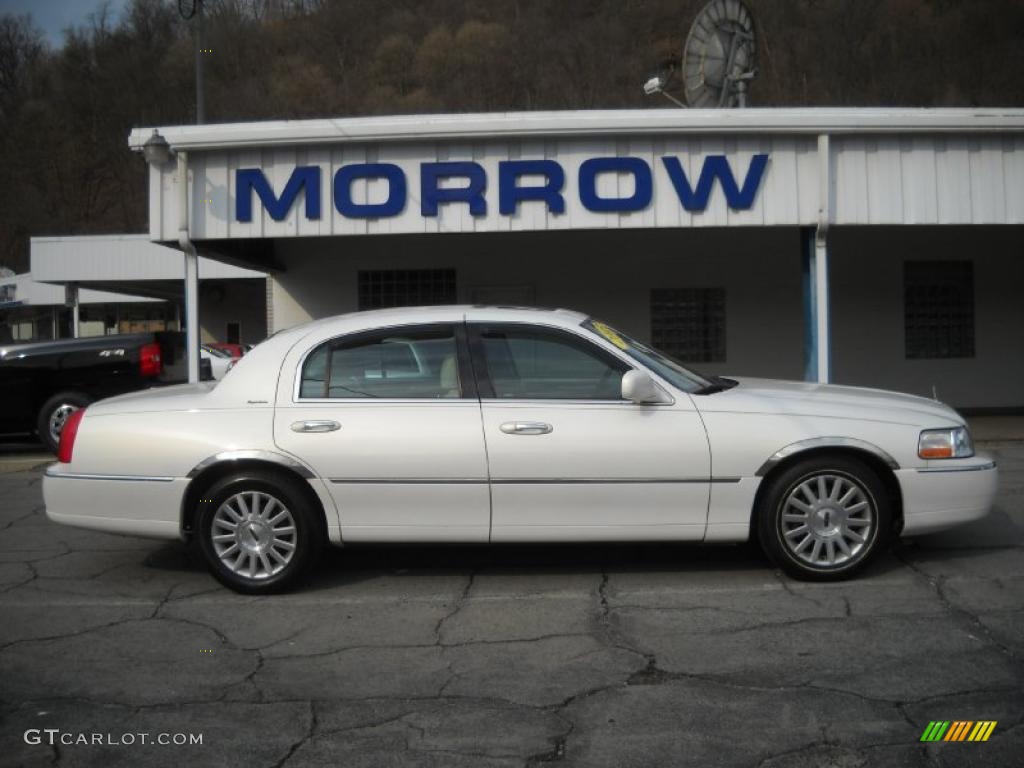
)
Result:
{"points": [[191, 272], [72, 301], [822, 320], [814, 247], [810, 310]]}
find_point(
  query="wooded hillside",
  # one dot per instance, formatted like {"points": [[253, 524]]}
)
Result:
{"points": [[65, 113]]}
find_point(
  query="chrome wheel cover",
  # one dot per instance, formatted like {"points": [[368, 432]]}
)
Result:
{"points": [[254, 535], [827, 519], [59, 418]]}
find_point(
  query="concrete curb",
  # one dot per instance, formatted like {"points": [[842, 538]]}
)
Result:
{"points": [[9, 464]]}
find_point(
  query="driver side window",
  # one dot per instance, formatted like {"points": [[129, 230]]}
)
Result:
{"points": [[530, 363]]}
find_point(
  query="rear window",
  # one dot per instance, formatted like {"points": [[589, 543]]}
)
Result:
{"points": [[420, 363]]}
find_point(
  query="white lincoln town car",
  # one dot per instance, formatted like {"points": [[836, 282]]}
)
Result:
{"points": [[485, 424]]}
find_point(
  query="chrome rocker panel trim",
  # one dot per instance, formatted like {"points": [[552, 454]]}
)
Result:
{"points": [[528, 480]]}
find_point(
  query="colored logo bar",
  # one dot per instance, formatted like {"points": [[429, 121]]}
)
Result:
{"points": [[958, 730]]}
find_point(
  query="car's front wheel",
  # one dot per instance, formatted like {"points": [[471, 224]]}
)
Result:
{"points": [[258, 534], [824, 518]]}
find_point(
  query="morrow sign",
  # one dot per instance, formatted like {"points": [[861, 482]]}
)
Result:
{"points": [[466, 183]]}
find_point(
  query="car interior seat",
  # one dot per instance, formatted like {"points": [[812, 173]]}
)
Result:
{"points": [[449, 383]]}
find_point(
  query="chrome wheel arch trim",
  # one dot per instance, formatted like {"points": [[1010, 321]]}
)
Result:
{"points": [[825, 442], [271, 457]]}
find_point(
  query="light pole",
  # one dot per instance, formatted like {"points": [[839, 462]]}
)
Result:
{"points": [[189, 9]]}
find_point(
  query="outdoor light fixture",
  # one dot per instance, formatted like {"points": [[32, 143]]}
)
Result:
{"points": [[657, 85], [653, 86], [156, 150]]}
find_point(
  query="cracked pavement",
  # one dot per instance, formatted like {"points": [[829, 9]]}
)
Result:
{"points": [[650, 655]]}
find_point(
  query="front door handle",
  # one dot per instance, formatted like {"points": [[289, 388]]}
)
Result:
{"points": [[525, 428], [315, 426]]}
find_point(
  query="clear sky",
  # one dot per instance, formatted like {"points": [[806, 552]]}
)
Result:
{"points": [[54, 16]]}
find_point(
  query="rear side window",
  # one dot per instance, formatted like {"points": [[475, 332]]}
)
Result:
{"points": [[531, 363], [419, 363]]}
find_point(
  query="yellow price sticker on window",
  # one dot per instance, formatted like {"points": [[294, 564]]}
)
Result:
{"points": [[609, 334]]}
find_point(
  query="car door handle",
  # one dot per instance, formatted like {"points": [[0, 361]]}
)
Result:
{"points": [[315, 426], [525, 428]]}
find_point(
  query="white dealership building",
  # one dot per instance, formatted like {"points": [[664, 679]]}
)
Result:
{"points": [[877, 247]]}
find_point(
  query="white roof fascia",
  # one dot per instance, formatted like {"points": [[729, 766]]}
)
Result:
{"points": [[497, 125]]}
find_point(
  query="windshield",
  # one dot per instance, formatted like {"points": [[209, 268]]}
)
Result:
{"points": [[216, 352], [658, 362]]}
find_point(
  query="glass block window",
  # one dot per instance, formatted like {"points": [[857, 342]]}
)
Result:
{"points": [[689, 323], [938, 309], [406, 288]]}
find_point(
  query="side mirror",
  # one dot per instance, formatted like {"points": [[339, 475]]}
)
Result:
{"points": [[640, 388]]}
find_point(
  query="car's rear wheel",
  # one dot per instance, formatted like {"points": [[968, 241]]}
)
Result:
{"points": [[824, 518], [54, 414], [258, 533]]}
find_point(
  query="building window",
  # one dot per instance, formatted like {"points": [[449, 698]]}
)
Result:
{"points": [[689, 323], [382, 288], [938, 309]]}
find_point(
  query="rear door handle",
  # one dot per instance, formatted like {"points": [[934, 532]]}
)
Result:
{"points": [[525, 428], [315, 426]]}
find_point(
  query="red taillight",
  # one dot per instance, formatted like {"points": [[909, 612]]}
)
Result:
{"points": [[149, 360], [67, 436]]}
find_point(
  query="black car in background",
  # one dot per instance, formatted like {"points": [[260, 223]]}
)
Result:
{"points": [[44, 382]]}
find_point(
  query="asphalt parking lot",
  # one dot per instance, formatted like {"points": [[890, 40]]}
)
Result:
{"points": [[577, 656]]}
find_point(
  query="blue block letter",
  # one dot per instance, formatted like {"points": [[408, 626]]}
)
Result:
{"points": [[343, 190], [716, 167], [510, 194], [431, 194], [304, 178], [641, 196]]}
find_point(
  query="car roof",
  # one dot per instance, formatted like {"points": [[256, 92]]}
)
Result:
{"points": [[382, 318]]}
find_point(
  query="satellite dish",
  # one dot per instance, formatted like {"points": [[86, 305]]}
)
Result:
{"points": [[718, 59]]}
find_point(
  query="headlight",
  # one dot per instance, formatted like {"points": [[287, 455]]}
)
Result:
{"points": [[948, 443]]}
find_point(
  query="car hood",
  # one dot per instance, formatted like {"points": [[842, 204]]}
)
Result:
{"points": [[829, 400], [179, 397]]}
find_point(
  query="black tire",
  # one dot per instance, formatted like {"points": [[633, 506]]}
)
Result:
{"points": [[812, 551], [54, 413], [260, 541]]}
